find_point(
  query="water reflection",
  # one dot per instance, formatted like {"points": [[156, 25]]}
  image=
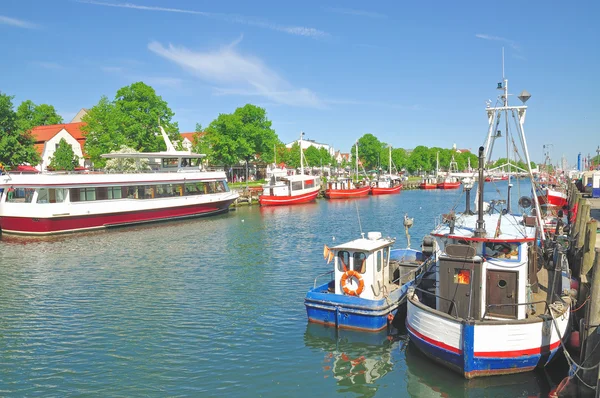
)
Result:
{"points": [[356, 360], [425, 378]]}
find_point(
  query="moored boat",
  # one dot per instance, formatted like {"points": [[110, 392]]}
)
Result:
{"points": [[293, 189], [388, 183], [428, 183], [173, 186], [494, 310], [346, 188], [366, 287]]}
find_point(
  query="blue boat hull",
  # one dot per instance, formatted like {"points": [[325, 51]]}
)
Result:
{"points": [[350, 312]]}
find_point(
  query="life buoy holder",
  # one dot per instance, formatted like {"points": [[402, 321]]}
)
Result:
{"points": [[345, 279]]}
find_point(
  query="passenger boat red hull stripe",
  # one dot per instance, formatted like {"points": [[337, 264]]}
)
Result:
{"points": [[385, 191], [55, 225], [347, 193], [268, 200]]}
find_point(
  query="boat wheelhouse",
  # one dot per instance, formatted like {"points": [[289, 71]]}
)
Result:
{"points": [[293, 189], [172, 186], [367, 285], [496, 307]]}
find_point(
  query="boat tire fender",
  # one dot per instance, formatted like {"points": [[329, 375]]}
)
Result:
{"points": [[347, 276]]}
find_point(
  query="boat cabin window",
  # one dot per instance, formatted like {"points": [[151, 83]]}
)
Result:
{"points": [[504, 250], [170, 163], [19, 195], [343, 261], [190, 162], [378, 260], [51, 195], [360, 262], [386, 255]]}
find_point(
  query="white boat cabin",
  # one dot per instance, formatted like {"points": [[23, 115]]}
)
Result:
{"points": [[344, 183], [362, 266], [291, 185]]}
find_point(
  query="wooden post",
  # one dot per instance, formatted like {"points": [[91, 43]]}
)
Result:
{"points": [[583, 216], [589, 247], [592, 338]]}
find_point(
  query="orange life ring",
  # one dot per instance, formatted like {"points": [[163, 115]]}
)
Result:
{"points": [[361, 284]]}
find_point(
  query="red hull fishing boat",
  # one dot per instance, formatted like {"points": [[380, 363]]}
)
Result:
{"points": [[385, 190], [387, 184], [345, 188], [448, 184], [428, 183], [291, 190]]}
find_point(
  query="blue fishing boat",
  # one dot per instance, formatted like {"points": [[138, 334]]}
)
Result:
{"points": [[367, 284]]}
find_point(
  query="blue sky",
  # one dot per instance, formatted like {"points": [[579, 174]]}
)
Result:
{"points": [[411, 73]]}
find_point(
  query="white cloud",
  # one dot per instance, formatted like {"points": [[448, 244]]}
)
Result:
{"points": [[237, 74], [232, 18], [358, 13], [511, 43], [19, 23]]}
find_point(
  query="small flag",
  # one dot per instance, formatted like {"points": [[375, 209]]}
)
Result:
{"points": [[325, 252], [331, 256]]}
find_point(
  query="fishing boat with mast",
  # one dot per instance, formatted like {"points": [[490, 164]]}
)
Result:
{"points": [[387, 184], [346, 187], [431, 181], [497, 307], [449, 181], [291, 189], [169, 185]]}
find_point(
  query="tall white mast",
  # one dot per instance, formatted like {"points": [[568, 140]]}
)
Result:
{"points": [[390, 164], [301, 159], [356, 160]]}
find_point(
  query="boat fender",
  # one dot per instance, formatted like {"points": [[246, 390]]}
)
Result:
{"points": [[346, 277]]}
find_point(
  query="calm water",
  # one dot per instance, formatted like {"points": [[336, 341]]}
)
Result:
{"points": [[212, 307]]}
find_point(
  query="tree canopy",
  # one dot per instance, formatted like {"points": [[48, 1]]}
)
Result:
{"points": [[30, 115], [16, 145], [64, 158], [243, 135], [131, 119]]}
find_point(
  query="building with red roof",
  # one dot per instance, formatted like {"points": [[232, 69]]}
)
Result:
{"points": [[47, 139]]}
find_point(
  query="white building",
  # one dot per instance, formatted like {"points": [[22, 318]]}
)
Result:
{"points": [[309, 143]]}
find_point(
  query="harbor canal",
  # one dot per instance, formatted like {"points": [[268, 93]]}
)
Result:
{"points": [[214, 307]]}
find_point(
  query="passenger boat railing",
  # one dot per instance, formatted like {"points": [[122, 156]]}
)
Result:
{"points": [[440, 297], [330, 273]]}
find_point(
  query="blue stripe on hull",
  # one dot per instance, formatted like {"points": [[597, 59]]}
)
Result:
{"points": [[447, 358], [472, 366], [349, 312]]}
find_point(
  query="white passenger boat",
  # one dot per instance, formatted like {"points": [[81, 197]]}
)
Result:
{"points": [[174, 186]]}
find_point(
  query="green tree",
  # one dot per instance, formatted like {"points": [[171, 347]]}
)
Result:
{"points": [[312, 156], [30, 115], [126, 165], [64, 158], [369, 151], [292, 156], [16, 146], [419, 160], [131, 119], [399, 158], [244, 135]]}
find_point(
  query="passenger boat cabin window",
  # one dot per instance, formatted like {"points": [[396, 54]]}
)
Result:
{"points": [[503, 250], [360, 262], [19, 195], [378, 260], [51, 195], [170, 163]]}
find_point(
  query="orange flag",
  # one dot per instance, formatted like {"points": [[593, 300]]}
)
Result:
{"points": [[325, 252], [331, 255]]}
